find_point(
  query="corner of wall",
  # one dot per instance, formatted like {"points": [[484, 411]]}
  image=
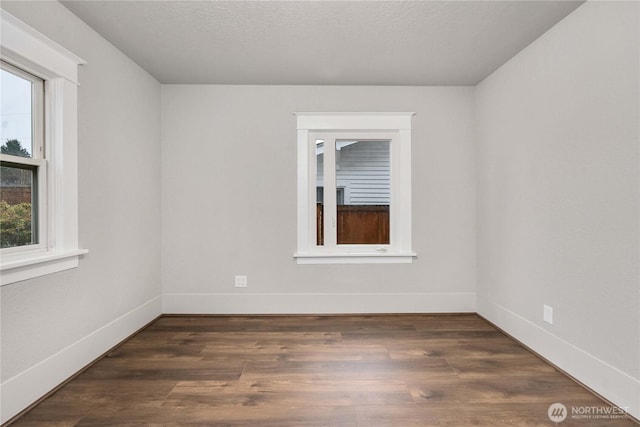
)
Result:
{"points": [[20, 391]]}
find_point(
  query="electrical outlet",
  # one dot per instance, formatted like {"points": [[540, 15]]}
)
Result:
{"points": [[547, 314], [241, 281]]}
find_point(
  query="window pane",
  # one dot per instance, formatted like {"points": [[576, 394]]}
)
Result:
{"points": [[15, 115], [363, 183], [17, 225], [319, 192]]}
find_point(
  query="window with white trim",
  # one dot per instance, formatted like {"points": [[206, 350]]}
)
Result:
{"points": [[354, 188], [22, 165], [38, 159]]}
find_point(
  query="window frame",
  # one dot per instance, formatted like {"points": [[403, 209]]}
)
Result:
{"points": [[330, 202], [395, 127], [26, 49]]}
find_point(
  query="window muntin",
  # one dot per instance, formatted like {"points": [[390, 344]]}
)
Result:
{"points": [[325, 188], [22, 166]]}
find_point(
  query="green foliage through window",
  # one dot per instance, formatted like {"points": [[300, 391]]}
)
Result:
{"points": [[15, 194], [15, 224], [14, 148]]}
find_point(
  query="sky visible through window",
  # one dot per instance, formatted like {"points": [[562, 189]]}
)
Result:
{"points": [[15, 109]]}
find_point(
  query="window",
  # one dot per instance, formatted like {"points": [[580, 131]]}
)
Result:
{"points": [[22, 167], [354, 187], [38, 158]]}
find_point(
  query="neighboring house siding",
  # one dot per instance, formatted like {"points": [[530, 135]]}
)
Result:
{"points": [[364, 182]]}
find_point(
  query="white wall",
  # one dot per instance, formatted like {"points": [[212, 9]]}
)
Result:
{"points": [[229, 203], [557, 133], [54, 325]]}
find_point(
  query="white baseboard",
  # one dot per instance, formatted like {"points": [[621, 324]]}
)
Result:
{"points": [[318, 303], [20, 391], [609, 382]]}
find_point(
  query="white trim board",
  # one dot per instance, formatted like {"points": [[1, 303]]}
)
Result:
{"points": [[606, 380], [41, 55], [20, 391], [318, 303]]}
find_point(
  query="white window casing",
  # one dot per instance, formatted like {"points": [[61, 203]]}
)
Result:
{"points": [[27, 49], [394, 127]]}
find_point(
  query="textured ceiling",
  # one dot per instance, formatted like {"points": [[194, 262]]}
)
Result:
{"points": [[321, 42]]}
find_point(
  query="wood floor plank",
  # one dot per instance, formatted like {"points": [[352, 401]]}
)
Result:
{"points": [[313, 371], [513, 415], [296, 350], [171, 369], [332, 370], [115, 392], [518, 365], [489, 390], [289, 393], [229, 415], [456, 347]]}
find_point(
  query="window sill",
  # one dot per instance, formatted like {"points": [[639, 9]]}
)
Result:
{"points": [[355, 258], [16, 268]]}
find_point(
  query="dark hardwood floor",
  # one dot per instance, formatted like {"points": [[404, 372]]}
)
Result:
{"points": [[401, 370]]}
